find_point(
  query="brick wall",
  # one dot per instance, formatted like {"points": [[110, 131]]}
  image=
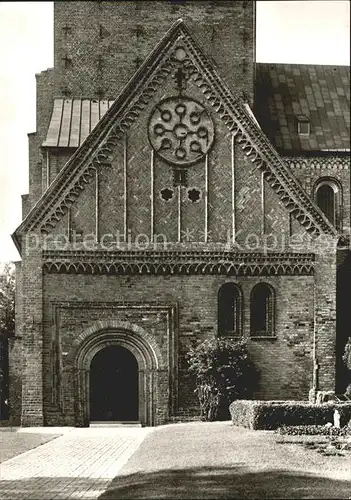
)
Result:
{"points": [[37, 162], [258, 210], [98, 46], [107, 41], [325, 312], [310, 170], [32, 338], [285, 362]]}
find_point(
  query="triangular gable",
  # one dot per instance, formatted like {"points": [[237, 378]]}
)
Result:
{"points": [[98, 146]]}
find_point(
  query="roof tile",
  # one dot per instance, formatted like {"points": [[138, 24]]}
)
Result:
{"points": [[318, 91]]}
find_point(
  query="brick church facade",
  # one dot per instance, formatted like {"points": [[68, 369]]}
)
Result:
{"points": [[178, 191]]}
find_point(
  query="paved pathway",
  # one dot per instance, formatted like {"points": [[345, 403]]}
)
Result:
{"points": [[78, 464]]}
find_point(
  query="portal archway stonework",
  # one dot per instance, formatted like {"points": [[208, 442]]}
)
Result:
{"points": [[86, 345], [155, 380]]}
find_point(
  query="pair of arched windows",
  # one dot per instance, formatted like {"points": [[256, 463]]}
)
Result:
{"points": [[327, 192], [230, 310]]}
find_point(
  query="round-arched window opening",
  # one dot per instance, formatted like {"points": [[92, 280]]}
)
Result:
{"points": [[262, 310], [328, 199], [230, 305]]}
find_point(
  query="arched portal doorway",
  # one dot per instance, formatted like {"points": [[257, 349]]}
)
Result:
{"points": [[113, 387], [150, 366]]}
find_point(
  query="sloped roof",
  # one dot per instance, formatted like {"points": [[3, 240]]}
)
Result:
{"points": [[98, 147], [321, 93], [284, 93], [72, 120]]}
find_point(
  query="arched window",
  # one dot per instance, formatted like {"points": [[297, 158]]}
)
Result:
{"points": [[229, 310], [262, 310], [326, 201], [327, 194]]}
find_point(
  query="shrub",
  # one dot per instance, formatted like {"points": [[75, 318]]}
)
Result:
{"points": [[270, 415], [224, 372], [347, 354], [310, 430], [347, 362]]}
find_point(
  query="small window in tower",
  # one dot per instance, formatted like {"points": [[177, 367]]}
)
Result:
{"points": [[179, 177], [303, 125]]}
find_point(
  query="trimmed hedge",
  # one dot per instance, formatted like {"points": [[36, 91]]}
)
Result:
{"points": [[269, 415]]}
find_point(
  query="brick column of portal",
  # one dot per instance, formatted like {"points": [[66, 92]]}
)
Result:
{"points": [[32, 370], [325, 314]]}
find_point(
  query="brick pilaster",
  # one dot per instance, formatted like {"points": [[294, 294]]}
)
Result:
{"points": [[32, 362], [325, 314]]}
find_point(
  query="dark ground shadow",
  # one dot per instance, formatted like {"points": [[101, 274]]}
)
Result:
{"points": [[48, 488], [222, 482]]}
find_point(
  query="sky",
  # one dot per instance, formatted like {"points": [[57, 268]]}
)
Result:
{"points": [[309, 32]]}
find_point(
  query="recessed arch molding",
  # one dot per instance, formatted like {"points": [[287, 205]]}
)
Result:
{"points": [[156, 366]]}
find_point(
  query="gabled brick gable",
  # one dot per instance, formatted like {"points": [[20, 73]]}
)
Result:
{"points": [[96, 150]]}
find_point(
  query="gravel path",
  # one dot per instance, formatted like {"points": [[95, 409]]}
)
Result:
{"points": [[217, 460]]}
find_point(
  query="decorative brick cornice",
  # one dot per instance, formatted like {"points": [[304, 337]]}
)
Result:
{"points": [[318, 162], [178, 263], [96, 150]]}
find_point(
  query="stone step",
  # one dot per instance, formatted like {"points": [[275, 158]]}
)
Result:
{"points": [[112, 423]]}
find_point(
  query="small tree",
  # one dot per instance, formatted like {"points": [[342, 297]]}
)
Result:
{"points": [[7, 330], [7, 300], [224, 372]]}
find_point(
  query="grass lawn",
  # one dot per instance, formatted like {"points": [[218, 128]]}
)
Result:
{"points": [[326, 445], [14, 443], [218, 460]]}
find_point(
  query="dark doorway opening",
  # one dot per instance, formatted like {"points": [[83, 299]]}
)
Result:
{"points": [[114, 389]]}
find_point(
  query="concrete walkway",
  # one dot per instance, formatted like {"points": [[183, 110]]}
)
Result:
{"points": [[78, 464]]}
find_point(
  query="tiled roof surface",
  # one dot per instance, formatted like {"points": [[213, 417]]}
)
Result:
{"points": [[322, 93], [283, 93], [73, 119]]}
